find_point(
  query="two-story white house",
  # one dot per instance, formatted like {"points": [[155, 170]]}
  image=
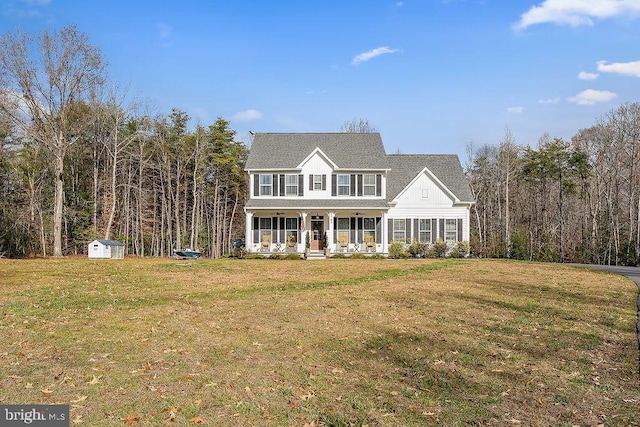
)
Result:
{"points": [[346, 187]]}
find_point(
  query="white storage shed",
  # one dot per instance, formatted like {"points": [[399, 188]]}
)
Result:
{"points": [[106, 249]]}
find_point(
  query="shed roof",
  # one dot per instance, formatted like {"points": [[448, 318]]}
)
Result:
{"points": [[109, 242]]}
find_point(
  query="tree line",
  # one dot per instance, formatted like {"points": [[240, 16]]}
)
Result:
{"points": [[562, 201], [78, 162]]}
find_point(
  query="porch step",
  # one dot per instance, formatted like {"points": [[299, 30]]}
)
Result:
{"points": [[315, 255]]}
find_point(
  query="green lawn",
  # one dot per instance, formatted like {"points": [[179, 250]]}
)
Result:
{"points": [[336, 342]]}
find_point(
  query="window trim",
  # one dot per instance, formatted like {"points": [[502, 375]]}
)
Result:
{"points": [[447, 231], [397, 229], [428, 230], [372, 187], [291, 185], [266, 189], [341, 187]]}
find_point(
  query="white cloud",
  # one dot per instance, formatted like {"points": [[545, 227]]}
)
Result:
{"points": [[365, 56], [592, 97], [626, 68], [583, 75], [576, 12], [548, 101], [515, 110], [245, 116]]}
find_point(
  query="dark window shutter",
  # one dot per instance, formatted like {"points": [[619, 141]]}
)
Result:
{"points": [[275, 185], [360, 184], [378, 185], [310, 182], [407, 227], [334, 185], [282, 185], [378, 230], [274, 229], [352, 230], [360, 231], [256, 185], [416, 229], [434, 230], [353, 185], [324, 182], [459, 229], [301, 185], [335, 228], [442, 229], [282, 231], [256, 231], [390, 230]]}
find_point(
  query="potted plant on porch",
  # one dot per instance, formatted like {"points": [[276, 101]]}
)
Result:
{"points": [[327, 249]]}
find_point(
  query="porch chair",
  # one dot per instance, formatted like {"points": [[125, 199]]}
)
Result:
{"points": [[291, 243], [344, 243], [369, 244], [265, 245]]}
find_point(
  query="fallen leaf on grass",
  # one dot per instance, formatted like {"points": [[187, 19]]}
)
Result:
{"points": [[77, 419], [131, 419], [196, 420], [79, 399], [94, 380], [46, 393]]}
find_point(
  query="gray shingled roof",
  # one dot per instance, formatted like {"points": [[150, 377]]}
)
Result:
{"points": [[351, 151], [446, 167], [288, 150]]}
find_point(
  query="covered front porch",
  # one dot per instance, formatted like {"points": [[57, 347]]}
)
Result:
{"points": [[315, 232]]}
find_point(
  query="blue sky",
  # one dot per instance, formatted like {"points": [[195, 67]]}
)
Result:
{"points": [[430, 75]]}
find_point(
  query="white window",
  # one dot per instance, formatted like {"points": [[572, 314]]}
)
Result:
{"points": [[266, 185], [369, 184], [344, 188], [291, 227], [343, 229], [399, 230], [291, 185], [369, 228], [317, 182], [424, 230], [451, 230], [425, 193]]}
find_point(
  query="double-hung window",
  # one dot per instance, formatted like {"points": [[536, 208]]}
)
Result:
{"points": [[424, 230], [317, 182], [369, 228], [291, 227], [291, 185], [343, 229], [344, 185], [266, 185], [369, 184], [451, 230], [400, 230]]}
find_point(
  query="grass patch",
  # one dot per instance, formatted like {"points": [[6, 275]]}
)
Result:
{"points": [[337, 342]]}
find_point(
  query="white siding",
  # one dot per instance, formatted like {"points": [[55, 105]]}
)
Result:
{"points": [[317, 165]]}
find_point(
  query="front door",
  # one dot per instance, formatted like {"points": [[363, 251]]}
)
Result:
{"points": [[317, 233]]}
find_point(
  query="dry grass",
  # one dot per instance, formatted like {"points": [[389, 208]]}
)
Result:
{"points": [[336, 342]]}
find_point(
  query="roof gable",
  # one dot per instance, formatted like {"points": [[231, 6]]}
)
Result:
{"points": [[444, 169]]}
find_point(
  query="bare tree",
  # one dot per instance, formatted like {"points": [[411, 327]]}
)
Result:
{"points": [[49, 81], [357, 126]]}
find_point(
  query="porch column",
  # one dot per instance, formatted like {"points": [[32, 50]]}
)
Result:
{"points": [[303, 226], [330, 233], [248, 234]]}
